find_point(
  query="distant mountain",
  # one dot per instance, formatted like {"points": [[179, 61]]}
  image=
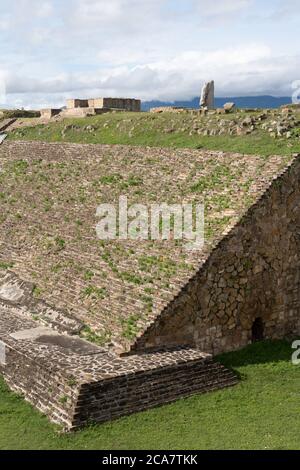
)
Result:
{"points": [[268, 102]]}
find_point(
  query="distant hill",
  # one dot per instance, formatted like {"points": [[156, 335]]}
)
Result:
{"points": [[270, 102]]}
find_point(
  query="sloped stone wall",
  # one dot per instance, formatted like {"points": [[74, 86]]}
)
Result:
{"points": [[252, 275], [122, 271]]}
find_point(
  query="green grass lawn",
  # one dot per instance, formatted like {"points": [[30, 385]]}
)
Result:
{"points": [[261, 412], [153, 130]]}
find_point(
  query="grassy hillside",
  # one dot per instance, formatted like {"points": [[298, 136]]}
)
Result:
{"points": [[262, 412], [160, 130]]}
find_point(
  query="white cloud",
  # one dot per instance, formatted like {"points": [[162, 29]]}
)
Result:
{"points": [[285, 9], [240, 70], [150, 49], [44, 9], [221, 7], [4, 22], [98, 12]]}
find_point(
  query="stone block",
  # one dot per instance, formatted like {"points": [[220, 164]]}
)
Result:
{"points": [[49, 113], [75, 103]]}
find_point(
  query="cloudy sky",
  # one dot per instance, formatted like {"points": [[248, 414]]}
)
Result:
{"points": [[149, 49]]}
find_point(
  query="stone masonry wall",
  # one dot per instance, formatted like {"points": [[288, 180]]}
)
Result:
{"points": [[77, 103], [253, 273], [119, 103], [45, 388]]}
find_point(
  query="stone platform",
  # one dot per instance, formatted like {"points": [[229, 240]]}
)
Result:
{"points": [[76, 383]]}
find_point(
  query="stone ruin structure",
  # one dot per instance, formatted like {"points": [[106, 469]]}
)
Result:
{"points": [[207, 99], [76, 107], [126, 104], [161, 312], [91, 107]]}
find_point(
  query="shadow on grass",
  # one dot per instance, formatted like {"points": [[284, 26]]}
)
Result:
{"points": [[262, 352]]}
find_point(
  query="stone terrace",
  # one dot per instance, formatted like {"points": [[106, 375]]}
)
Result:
{"points": [[49, 194]]}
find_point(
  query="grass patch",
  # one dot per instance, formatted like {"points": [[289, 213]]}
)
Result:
{"points": [[262, 412], [37, 292], [88, 334], [130, 328], [6, 265], [95, 292], [110, 179]]}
